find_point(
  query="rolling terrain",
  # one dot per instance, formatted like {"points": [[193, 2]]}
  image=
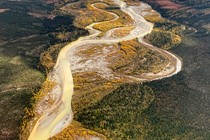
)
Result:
{"points": [[24, 36], [113, 69], [188, 92], [52, 118]]}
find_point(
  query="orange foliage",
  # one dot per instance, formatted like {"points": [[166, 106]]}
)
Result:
{"points": [[123, 21], [91, 14], [75, 131], [122, 31]]}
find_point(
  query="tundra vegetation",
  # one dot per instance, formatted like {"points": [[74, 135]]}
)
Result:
{"points": [[129, 112], [121, 32], [46, 87], [122, 21], [77, 130], [112, 105], [182, 99], [133, 58], [21, 42], [166, 34], [24, 36], [171, 107]]}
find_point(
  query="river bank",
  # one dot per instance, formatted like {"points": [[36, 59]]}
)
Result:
{"points": [[59, 115]]}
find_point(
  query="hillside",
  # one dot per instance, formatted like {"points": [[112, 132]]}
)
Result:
{"points": [[104, 69], [193, 13], [189, 91], [89, 69], [27, 30]]}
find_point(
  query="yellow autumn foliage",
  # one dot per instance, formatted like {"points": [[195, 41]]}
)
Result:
{"points": [[123, 21], [75, 131]]}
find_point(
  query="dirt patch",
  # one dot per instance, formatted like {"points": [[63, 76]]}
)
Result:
{"points": [[41, 15], [4, 10]]}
